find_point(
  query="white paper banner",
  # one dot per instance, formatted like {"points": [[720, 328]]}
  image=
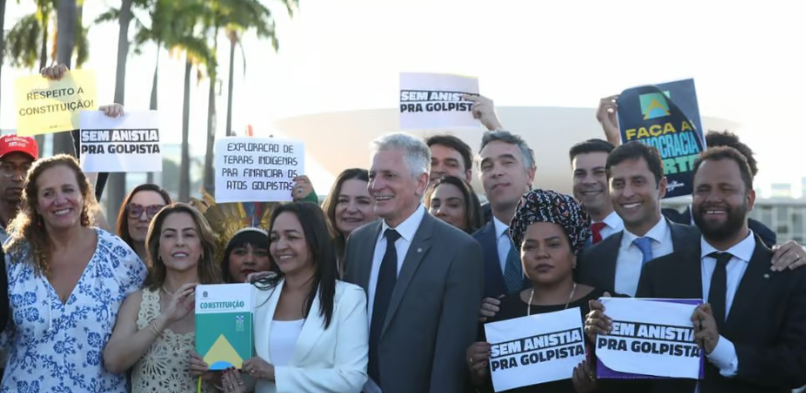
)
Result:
{"points": [[429, 101], [129, 143]]}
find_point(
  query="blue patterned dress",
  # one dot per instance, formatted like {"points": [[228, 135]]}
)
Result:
{"points": [[57, 347]]}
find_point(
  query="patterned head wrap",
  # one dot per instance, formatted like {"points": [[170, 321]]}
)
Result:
{"points": [[549, 206]]}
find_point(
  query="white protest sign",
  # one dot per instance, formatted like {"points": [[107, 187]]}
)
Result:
{"points": [[129, 143], [249, 169], [650, 337], [535, 349], [435, 101]]}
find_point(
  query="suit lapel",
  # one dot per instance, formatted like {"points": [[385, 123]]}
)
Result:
{"points": [[310, 333], [268, 300], [755, 279], [414, 256], [368, 255], [493, 276], [609, 259]]}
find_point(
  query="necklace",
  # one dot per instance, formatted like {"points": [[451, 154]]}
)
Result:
{"points": [[171, 294], [532, 296]]}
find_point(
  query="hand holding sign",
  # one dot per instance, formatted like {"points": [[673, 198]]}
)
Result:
{"points": [[114, 110], [607, 115], [484, 110], [584, 379], [706, 333], [54, 72], [302, 188], [478, 356], [596, 322]]}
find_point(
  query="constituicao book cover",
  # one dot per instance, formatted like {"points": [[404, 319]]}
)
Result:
{"points": [[224, 336]]}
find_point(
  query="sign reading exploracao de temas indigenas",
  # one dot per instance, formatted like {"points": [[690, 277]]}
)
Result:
{"points": [[224, 324]]}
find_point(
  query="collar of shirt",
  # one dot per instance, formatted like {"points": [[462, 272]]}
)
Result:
{"points": [[500, 228], [409, 227], [659, 232], [742, 250], [613, 221]]}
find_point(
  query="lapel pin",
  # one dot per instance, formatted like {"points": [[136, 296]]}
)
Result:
{"points": [[766, 276], [419, 250]]}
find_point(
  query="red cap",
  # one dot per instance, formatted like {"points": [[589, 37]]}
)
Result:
{"points": [[18, 144]]}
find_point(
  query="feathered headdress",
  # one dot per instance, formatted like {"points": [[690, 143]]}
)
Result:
{"points": [[227, 219]]}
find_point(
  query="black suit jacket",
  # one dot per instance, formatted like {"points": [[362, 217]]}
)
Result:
{"points": [[596, 266], [494, 284], [765, 233], [766, 322]]}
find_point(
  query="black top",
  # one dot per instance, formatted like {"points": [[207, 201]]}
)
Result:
{"points": [[512, 307]]}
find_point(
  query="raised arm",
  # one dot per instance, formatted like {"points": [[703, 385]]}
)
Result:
{"points": [[458, 321], [352, 347]]}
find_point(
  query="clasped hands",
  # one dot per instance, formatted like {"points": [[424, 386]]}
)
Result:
{"points": [[231, 380]]}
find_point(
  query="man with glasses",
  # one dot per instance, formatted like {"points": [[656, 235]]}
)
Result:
{"points": [[17, 153]]}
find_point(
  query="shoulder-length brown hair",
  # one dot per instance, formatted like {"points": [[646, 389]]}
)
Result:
{"points": [[329, 205], [27, 227], [473, 213], [208, 270], [123, 214]]}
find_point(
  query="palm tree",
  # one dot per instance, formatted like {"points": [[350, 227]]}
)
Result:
{"points": [[2, 33], [66, 20]]}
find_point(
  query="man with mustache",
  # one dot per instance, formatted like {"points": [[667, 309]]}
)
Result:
{"points": [[752, 328]]}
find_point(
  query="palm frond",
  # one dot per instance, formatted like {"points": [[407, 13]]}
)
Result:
{"points": [[23, 42], [111, 15]]}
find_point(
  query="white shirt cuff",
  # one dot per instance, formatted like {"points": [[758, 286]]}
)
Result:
{"points": [[724, 358]]}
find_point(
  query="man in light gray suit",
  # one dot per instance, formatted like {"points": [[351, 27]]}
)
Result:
{"points": [[423, 278]]}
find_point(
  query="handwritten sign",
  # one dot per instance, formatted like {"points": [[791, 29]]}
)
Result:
{"points": [[46, 106], [435, 101], [130, 143], [535, 349], [249, 169]]}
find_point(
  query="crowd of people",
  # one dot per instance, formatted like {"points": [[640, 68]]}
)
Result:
{"points": [[386, 286]]}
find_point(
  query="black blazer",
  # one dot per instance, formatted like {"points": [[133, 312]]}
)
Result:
{"points": [[494, 284], [596, 266], [765, 233], [766, 323]]}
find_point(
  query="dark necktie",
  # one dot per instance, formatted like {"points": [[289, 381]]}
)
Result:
{"points": [[387, 277], [513, 270], [596, 228], [718, 292]]}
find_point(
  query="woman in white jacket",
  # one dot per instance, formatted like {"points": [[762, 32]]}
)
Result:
{"points": [[311, 330]]}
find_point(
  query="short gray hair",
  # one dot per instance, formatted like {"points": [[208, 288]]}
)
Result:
{"points": [[511, 139], [418, 155]]}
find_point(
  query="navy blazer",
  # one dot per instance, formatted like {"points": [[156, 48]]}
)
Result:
{"points": [[762, 231], [494, 284]]}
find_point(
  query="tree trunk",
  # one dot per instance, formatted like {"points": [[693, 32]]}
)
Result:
{"points": [[43, 62], [184, 168], [209, 158], [229, 87], [153, 104], [3, 35], [117, 181], [66, 19]]}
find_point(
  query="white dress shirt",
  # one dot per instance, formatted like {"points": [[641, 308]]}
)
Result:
{"points": [[630, 259], [613, 224], [503, 242], [724, 354], [407, 229]]}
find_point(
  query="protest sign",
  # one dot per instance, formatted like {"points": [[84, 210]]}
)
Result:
{"points": [[667, 117], [46, 106], [435, 101], [535, 349], [249, 169], [650, 338], [129, 143]]}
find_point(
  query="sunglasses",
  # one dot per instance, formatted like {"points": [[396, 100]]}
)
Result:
{"points": [[136, 211]]}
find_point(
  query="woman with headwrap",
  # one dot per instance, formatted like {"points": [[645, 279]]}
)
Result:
{"points": [[550, 230]]}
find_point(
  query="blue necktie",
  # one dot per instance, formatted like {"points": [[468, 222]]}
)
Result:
{"points": [[513, 270], [645, 245]]}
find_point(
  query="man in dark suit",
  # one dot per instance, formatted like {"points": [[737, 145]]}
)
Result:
{"points": [[637, 185], [506, 169], [726, 138], [423, 279], [753, 328]]}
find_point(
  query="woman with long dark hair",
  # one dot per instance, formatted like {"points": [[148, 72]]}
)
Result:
{"points": [[246, 253], [136, 213], [311, 329], [453, 200]]}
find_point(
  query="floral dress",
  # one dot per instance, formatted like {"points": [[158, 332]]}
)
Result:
{"points": [[57, 347]]}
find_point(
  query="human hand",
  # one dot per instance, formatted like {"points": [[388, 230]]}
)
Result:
{"points": [[478, 356], [607, 115], [596, 322], [198, 368], [706, 334], [302, 188], [114, 110], [489, 307], [181, 303], [232, 382], [584, 379], [788, 255], [258, 368], [54, 72], [484, 110]]}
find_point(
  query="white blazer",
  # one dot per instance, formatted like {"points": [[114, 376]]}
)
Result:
{"points": [[332, 360]]}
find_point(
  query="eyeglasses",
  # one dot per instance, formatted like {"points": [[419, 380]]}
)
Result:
{"points": [[10, 170], [136, 211]]}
